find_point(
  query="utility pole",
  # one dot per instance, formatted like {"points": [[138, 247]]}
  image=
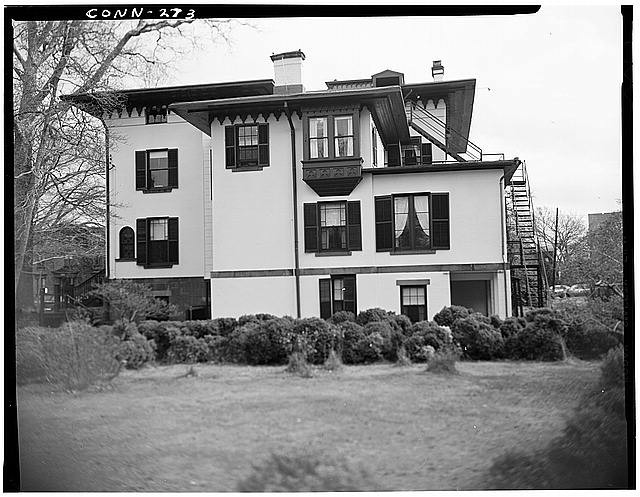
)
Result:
{"points": [[555, 249]]}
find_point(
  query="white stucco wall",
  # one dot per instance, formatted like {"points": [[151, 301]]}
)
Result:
{"points": [[253, 210], [129, 134], [233, 297]]}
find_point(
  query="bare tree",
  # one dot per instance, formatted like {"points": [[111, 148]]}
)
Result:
{"points": [[58, 151]]}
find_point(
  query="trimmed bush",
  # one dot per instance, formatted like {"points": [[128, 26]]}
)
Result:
{"points": [[341, 316], [268, 342], [512, 326], [448, 315], [423, 334], [586, 341], [187, 349], [225, 326], [391, 339], [399, 322], [370, 347], [352, 334], [371, 316], [495, 321], [315, 338], [304, 472], [162, 333], [477, 339], [134, 348], [534, 343]]}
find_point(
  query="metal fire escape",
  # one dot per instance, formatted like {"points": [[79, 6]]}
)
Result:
{"points": [[528, 279]]}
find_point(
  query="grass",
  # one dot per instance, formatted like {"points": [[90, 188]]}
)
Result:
{"points": [[158, 431]]}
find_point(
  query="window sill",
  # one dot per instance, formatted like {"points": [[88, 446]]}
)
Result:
{"points": [[333, 253], [157, 190], [245, 168], [157, 266], [333, 161], [126, 260], [410, 252]]}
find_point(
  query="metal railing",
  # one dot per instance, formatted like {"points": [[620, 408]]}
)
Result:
{"points": [[439, 130]]}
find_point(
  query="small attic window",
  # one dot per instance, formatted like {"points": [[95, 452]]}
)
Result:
{"points": [[155, 115], [394, 80], [388, 78]]}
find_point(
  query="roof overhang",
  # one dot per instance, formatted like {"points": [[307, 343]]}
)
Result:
{"points": [[386, 105], [100, 102], [458, 95], [508, 166]]}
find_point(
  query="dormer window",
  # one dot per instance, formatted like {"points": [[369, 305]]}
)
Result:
{"points": [[156, 116]]}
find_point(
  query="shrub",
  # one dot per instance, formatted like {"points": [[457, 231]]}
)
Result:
{"points": [[511, 326], [612, 368], [444, 360], [341, 316], [370, 348], [534, 343], [162, 333], [391, 339], [200, 328], [315, 338], [235, 350], [254, 318], [268, 341], [402, 357], [74, 356], [224, 326], [187, 349], [216, 346], [399, 322], [371, 315], [495, 321], [333, 362], [423, 334], [477, 339], [304, 472], [448, 315], [133, 348], [587, 341], [298, 365], [352, 333]]}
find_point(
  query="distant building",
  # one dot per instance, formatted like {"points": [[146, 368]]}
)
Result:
{"points": [[597, 219]]}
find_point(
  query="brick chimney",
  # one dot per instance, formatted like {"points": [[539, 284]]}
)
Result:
{"points": [[437, 71], [287, 68]]}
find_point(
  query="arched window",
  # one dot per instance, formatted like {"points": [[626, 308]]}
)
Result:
{"points": [[126, 243]]}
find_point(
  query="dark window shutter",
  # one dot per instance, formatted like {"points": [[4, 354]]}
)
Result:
{"points": [[349, 294], [141, 169], [427, 153], [230, 146], [263, 145], [173, 167], [141, 239], [325, 298], [440, 220], [393, 155], [353, 223], [310, 228], [384, 224], [173, 240]]}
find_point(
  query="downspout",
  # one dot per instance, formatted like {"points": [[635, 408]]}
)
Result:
{"points": [[503, 232], [294, 179], [107, 203]]}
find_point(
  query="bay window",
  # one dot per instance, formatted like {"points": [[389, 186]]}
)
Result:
{"points": [[318, 138], [343, 126]]}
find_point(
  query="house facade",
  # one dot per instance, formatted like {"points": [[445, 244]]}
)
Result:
{"points": [[261, 197]]}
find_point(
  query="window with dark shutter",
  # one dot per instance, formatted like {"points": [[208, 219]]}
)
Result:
{"points": [[173, 240], [337, 293], [440, 220], [230, 146], [384, 224], [354, 234], [173, 168], [127, 243], [427, 154], [263, 145], [246, 146], [141, 169], [141, 241], [310, 228], [325, 298]]}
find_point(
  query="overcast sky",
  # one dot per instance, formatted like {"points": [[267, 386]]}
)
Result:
{"points": [[547, 90]]}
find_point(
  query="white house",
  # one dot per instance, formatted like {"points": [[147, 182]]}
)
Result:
{"points": [[259, 196]]}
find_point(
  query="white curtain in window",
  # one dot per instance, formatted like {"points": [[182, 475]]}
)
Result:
{"points": [[158, 229], [421, 205], [401, 208]]}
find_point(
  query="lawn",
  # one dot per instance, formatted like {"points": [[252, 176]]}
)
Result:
{"points": [[157, 430]]}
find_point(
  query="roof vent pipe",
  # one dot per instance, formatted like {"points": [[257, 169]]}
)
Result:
{"points": [[287, 69], [437, 71]]}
